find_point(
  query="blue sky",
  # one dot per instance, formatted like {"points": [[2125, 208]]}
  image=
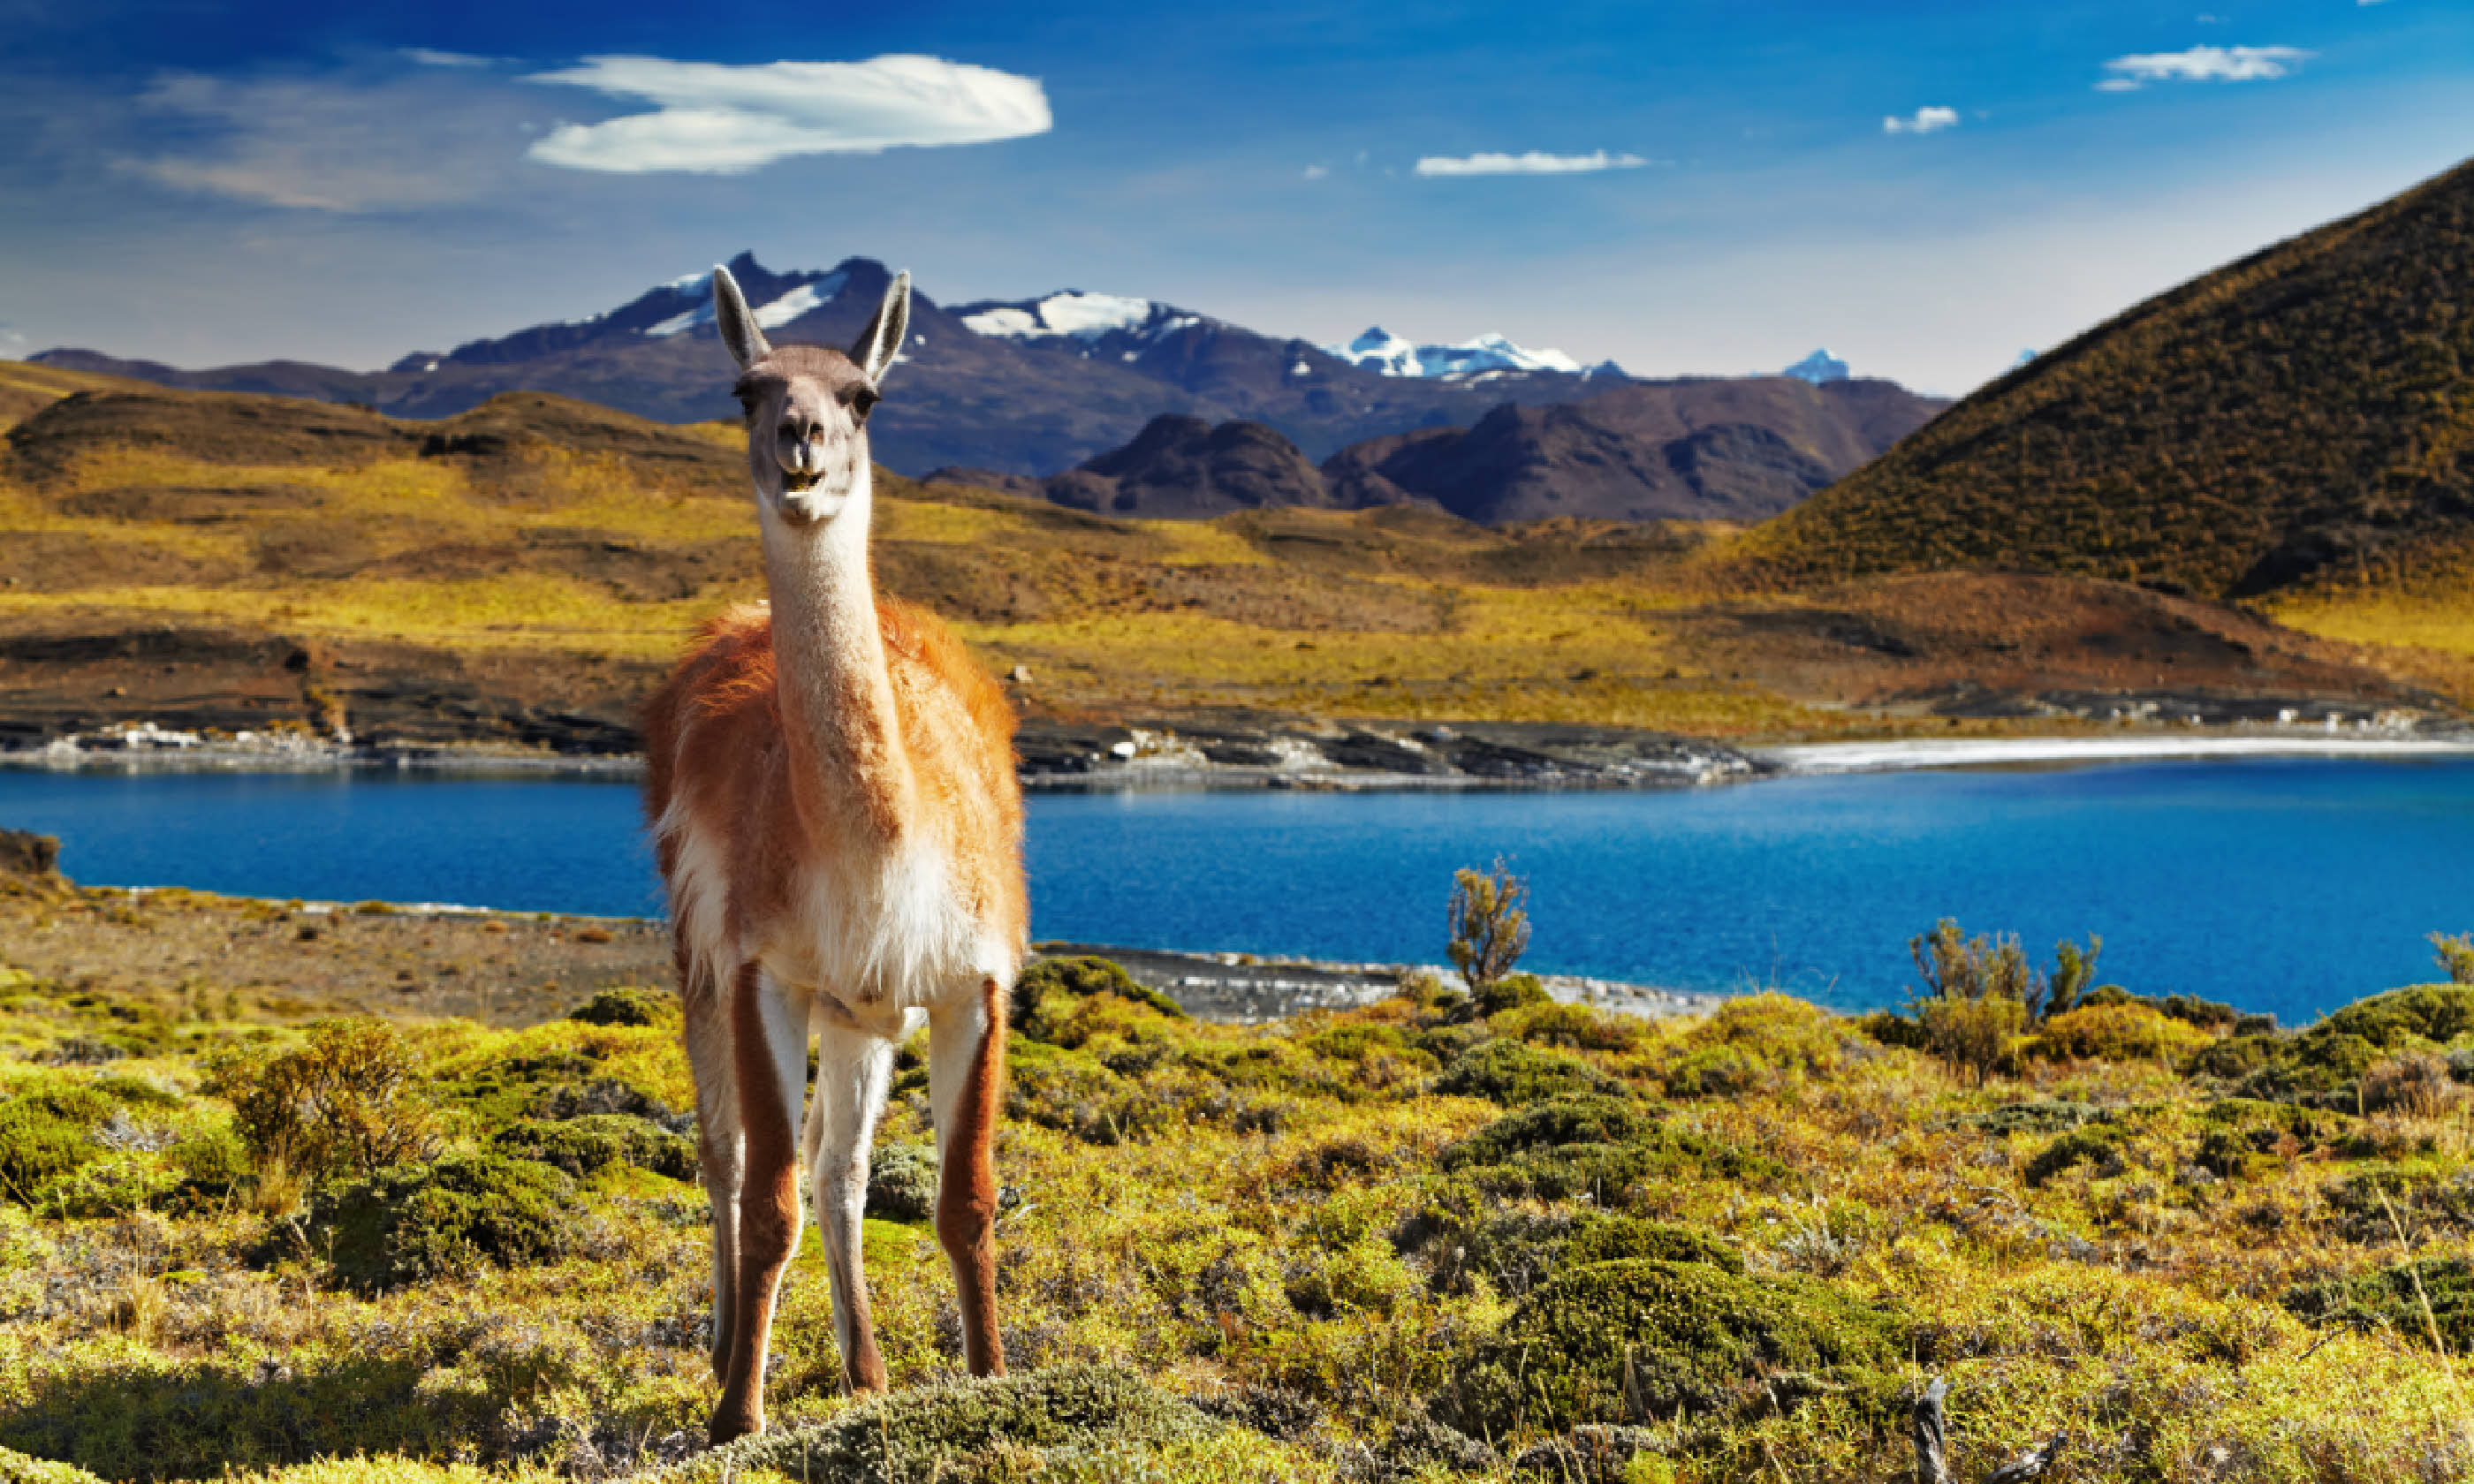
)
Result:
{"points": [[1927, 189]]}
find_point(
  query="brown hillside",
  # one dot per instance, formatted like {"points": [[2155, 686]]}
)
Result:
{"points": [[2303, 417], [523, 571]]}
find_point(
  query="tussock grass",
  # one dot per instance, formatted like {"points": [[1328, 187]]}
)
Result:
{"points": [[1253, 1252]]}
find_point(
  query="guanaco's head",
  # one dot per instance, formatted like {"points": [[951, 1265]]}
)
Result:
{"points": [[808, 405]]}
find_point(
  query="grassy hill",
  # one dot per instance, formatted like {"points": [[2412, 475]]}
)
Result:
{"points": [[2296, 428], [524, 570], [1408, 1242]]}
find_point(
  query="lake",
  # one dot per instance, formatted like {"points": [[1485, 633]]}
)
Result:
{"points": [[2279, 884]]}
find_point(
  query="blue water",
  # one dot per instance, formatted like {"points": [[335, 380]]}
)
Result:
{"points": [[2290, 886]]}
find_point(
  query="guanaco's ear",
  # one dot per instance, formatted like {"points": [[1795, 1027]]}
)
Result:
{"points": [[882, 341], [739, 328]]}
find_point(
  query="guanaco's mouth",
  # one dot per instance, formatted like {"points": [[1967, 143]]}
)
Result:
{"points": [[800, 484]]}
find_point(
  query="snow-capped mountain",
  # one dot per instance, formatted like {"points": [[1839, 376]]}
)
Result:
{"points": [[1818, 367], [1380, 350], [1069, 314], [1015, 387], [664, 312]]}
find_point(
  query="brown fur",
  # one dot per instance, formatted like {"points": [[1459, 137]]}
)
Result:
{"points": [[966, 1202]]}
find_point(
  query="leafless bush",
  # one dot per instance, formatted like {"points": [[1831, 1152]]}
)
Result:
{"points": [[1489, 929], [349, 1100], [2417, 1084]]}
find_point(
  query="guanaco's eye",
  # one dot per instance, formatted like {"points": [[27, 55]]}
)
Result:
{"points": [[862, 401]]}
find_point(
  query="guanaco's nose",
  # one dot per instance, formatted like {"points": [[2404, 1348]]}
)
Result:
{"points": [[803, 445]]}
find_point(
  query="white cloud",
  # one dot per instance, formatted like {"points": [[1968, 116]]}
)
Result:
{"points": [[431, 57], [1924, 121], [1535, 162], [1317, 172], [2203, 64], [340, 145], [717, 119]]}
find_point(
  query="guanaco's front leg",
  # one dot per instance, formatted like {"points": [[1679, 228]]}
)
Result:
{"points": [[770, 1044]]}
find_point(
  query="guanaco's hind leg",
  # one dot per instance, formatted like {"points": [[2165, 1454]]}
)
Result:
{"points": [[719, 1159], [769, 1041], [966, 1076], [851, 1067]]}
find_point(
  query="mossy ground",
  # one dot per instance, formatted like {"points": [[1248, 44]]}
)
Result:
{"points": [[1279, 1252]]}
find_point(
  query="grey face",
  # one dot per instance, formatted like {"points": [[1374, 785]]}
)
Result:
{"points": [[807, 421], [807, 406]]}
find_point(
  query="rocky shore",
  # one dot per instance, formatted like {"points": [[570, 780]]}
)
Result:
{"points": [[1313, 753], [1249, 989], [1053, 755]]}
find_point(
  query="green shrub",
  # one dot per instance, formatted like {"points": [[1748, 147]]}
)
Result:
{"points": [[2456, 954], [2098, 1147], [587, 1145], [1890, 1028], [1576, 1027], [348, 1101], [2207, 1014], [2436, 1013], [412, 1222], [211, 1164], [628, 1007], [2117, 1033], [901, 1182], [1510, 993], [46, 1133], [1516, 1249], [1642, 1338], [1751, 1042], [1051, 990], [1512, 1074], [2388, 1300], [2236, 1056], [16, 1468], [2243, 1132], [1596, 1147], [1084, 1421], [2049, 1116]]}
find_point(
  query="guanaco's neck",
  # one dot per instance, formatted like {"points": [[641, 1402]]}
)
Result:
{"points": [[848, 770]]}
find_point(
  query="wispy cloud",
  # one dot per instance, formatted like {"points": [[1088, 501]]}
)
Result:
{"points": [[1535, 162], [717, 119], [1924, 121], [2203, 64], [1317, 172], [431, 57], [343, 144]]}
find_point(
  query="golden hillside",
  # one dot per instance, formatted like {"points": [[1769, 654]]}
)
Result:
{"points": [[524, 570]]}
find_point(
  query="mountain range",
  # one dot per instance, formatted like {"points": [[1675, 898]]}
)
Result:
{"points": [[1735, 449], [1023, 387]]}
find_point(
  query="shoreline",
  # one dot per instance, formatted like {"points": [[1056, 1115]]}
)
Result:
{"points": [[1353, 760], [1919, 755]]}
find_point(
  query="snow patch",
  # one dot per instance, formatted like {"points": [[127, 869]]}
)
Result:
{"points": [[1090, 316], [1818, 367], [1385, 353], [677, 323], [798, 301], [1005, 323]]}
